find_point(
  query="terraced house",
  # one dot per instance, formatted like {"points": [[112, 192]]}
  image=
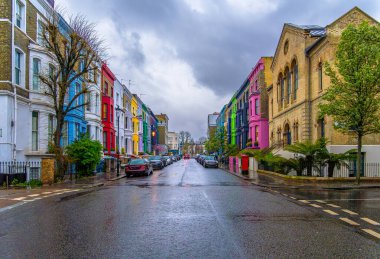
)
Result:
{"points": [[108, 110], [299, 83], [260, 79], [27, 117]]}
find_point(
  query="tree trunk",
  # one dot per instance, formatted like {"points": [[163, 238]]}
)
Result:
{"points": [[330, 168], [59, 156], [309, 167], [359, 159]]}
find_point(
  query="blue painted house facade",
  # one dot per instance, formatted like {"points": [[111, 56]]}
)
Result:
{"points": [[242, 118], [75, 122]]}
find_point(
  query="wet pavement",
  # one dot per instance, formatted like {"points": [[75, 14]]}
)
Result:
{"points": [[186, 211]]}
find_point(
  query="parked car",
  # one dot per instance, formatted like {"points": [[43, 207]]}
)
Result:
{"points": [[186, 156], [201, 159], [156, 162], [138, 167], [168, 160], [210, 161]]}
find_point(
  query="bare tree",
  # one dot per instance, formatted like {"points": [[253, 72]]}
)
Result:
{"points": [[76, 51], [184, 140]]}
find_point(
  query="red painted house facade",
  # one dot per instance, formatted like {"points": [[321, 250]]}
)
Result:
{"points": [[108, 110]]}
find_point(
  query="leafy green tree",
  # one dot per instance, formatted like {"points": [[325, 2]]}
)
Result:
{"points": [[353, 99], [216, 142], [231, 150], [85, 153]]}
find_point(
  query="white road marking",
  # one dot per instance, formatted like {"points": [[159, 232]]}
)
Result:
{"points": [[331, 212], [12, 206], [291, 197], [353, 223], [19, 199], [285, 194], [315, 205], [304, 201], [371, 232], [33, 195], [349, 212], [46, 192], [370, 221], [333, 205], [275, 191], [320, 201]]}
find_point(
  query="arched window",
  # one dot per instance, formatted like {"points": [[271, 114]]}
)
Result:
{"points": [[282, 83], [295, 78], [295, 132], [321, 128], [288, 84], [287, 135], [320, 76], [279, 135], [36, 73], [281, 90]]}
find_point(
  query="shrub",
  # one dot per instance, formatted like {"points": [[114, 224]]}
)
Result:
{"points": [[85, 153]]}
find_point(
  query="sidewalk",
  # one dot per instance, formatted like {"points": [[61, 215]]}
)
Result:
{"points": [[271, 182], [13, 197]]}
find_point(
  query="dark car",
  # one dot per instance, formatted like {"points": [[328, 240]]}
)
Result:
{"points": [[156, 162], [210, 161], [138, 167]]}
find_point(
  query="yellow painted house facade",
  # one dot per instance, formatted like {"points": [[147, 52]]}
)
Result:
{"points": [[299, 82], [135, 126]]}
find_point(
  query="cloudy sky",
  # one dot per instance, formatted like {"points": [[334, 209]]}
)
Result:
{"points": [[186, 58]]}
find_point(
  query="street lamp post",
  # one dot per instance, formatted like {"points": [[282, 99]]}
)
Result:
{"points": [[118, 110]]}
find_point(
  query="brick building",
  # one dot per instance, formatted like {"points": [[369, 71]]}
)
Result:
{"points": [[299, 83]]}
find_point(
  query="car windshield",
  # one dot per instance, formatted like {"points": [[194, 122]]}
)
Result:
{"points": [[155, 158], [210, 158], [137, 162], [166, 157]]}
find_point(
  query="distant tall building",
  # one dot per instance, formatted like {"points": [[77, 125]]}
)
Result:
{"points": [[212, 124], [162, 126]]}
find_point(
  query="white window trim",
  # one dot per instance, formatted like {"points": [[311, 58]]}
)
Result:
{"points": [[22, 67], [39, 19], [32, 73], [38, 131], [23, 21]]}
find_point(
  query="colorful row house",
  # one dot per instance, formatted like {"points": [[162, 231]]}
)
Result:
{"points": [[284, 92], [27, 115], [108, 110]]}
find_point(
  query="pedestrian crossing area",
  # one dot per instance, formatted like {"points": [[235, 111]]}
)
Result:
{"points": [[38, 196]]}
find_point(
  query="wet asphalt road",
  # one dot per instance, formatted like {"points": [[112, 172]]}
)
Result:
{"points": [[183, 211]]}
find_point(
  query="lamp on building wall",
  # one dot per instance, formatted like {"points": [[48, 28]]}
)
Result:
{"points": [[118, 112]]}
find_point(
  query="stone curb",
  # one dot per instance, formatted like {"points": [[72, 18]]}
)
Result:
{"points": [[117, 178], [302, 186], [93, 185]]}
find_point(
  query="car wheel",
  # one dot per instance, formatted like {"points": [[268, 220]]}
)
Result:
{"points": [[128, 175]]}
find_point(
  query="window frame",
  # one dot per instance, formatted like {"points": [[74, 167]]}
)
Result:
{"points": [[19, 68], [36, 74], [20, 19], [35, 125], [320, 76]]}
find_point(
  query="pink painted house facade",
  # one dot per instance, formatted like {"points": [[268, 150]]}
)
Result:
{"points": [[260, 79]]}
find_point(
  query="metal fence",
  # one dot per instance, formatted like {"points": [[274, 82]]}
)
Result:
{"points": [[22, 171], [368, 170]]}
